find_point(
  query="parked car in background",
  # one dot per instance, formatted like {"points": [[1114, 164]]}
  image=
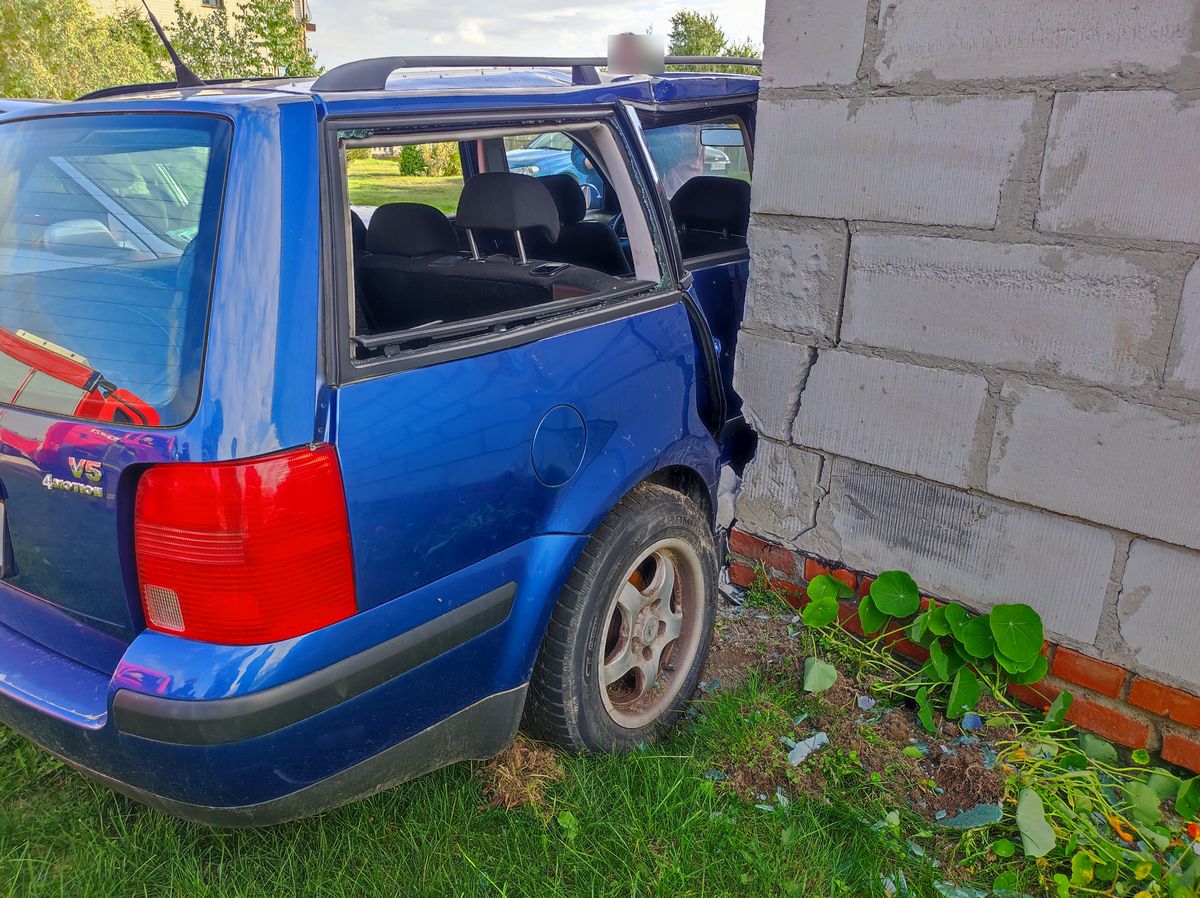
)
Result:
{"points": [[294, 507]]}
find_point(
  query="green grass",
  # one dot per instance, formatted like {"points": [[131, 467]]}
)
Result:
{"points": [[373, 182], [652, 823]]}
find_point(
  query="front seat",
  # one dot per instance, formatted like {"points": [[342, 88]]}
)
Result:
{"points": [[588, 244], [712, 215]]}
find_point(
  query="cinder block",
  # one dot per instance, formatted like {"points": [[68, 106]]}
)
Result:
{"points": [[796, 273], [930, 160], [971, 549], [956, 40], [768, 375], [1031, 308], [813, 42], [1158, 609], [1105, 460], [1123, 163], [898, 416], [1184, 372], [778, 497]]}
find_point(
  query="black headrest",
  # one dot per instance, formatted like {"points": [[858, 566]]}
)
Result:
{"points": [[410, 229], [567, 196], [709, 203], [358, 234], [503, 201]]}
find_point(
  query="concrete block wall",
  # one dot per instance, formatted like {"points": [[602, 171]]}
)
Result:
{"points": [[972, 340]]}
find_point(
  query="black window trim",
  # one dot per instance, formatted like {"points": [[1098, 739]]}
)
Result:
{"points": [[576, 314]]}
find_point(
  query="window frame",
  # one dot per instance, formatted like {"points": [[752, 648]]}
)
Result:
{"points": [[571, 315]]}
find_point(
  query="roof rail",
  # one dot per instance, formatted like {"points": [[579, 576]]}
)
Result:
{"points": [[373, 74], [122, 89]]}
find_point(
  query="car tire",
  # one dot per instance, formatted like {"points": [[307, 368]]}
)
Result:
{"points": [[639, 603]]}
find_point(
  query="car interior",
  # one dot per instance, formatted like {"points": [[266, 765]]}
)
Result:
{"points": [[512, 244]]}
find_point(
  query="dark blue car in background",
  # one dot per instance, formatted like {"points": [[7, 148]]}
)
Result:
{"points": [[294, 507]]}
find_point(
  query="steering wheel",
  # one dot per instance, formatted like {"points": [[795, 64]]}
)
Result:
{"points": [[617, 223]]}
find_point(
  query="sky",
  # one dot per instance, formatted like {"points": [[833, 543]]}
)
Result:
{"points": [[357, 29]]}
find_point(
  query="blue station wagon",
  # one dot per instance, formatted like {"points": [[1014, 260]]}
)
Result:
{"points": [[306, 490]]}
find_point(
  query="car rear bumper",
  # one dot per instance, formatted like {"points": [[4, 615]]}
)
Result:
{"points": [[254, 735]]}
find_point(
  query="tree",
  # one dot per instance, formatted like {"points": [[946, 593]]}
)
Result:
{"points": [[59, 49], [262, 39], [700, 34]]}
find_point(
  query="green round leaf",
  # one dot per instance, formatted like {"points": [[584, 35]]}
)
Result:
{"points": [[1015, 667], [1018, 631], [918, 630], [939, 661], [938, 625], [820, 612], [825, 587], [871, 618], [1164, 783], [1141, 757], [818, 675], [1003, 848], [1097, 749], [956, 617], [1035, 674], [895, 594], [1143, 802], [977, 637], [1187, 801], [1057, 715], [964, 693]]}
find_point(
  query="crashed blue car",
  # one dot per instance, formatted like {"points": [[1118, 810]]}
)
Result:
{"points": [[304, 494]]}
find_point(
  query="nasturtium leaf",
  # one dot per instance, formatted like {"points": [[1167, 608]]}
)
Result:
{"points": [[939, 661], [895, 594], [1083, 869], [977, 637], [1097, 749], [1015, 667], [964, 693], [918, 630], [1037, 838], [1143, 802], [1141, 757], [826, 587], [954, 657], [1062, 885], [1187, 801], [1035, 674], [1018, 631], [925, 710], [938, 625], [1003, 848], [1164, 783], [1057, 714], [818, 675], [820, 612], [956, 616], [871, 618]]}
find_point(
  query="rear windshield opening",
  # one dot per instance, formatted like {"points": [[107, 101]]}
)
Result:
{"points": [[108, 232], [457, 235]]}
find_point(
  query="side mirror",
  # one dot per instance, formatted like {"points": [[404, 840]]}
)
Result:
{"points": [[722, 137], [80, 237]]}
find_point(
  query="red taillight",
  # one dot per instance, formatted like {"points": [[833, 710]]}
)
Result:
{"points": [[244, 552]]}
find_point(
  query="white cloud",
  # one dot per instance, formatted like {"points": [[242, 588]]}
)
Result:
{"points": [[356, 29]]}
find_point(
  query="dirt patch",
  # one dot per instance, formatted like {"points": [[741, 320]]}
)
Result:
{"points": [[953, 772], [520, 775]]}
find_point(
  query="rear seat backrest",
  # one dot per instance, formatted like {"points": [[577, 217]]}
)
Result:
{"points": [[588, 244], [410, 229], [712, 215]]}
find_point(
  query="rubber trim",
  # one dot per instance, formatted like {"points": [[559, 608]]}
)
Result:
{"points": [[221, 721], [479, 731]]}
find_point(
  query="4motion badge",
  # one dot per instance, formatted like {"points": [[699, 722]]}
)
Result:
{"points": [[87, 476]]}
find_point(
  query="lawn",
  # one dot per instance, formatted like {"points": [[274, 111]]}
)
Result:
{"points": [[373, 182], [664, 821]]}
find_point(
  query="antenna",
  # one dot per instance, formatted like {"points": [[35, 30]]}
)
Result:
{"points": [[184, 77]]}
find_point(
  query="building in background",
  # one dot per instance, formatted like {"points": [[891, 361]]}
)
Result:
{"points": [[972, 338]]}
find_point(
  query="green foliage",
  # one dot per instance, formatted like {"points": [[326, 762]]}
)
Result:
{"points": [[823, 593], [1018, 631], [1037, 837], [700, 34], [818, 675], [412, 162], [261, 39], [964, 693], [59, 49], [895, 594]]}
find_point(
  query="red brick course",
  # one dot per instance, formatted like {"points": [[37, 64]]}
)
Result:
{"points": [[741, 574], [749, 546], [1111, 723], [1165, 701], [1099, 676], [814, 569], [1182, 750]]}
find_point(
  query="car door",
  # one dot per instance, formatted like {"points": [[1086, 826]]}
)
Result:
{"points": [[692, 152]]}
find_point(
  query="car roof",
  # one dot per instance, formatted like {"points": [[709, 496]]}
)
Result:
{"points": [[434, 89]]}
